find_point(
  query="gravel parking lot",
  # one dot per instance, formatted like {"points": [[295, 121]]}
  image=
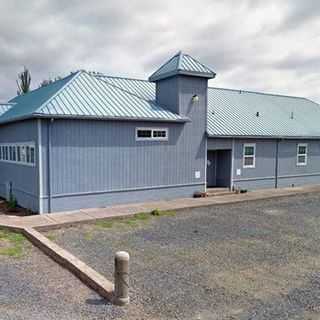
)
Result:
{"points": [[255, 260]]}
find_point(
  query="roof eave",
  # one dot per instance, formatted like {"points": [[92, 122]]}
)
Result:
{"points": [[281, 137], [82, 117], [154, 78]]}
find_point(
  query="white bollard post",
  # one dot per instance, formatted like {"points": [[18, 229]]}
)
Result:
{"points": [[121, 278]]}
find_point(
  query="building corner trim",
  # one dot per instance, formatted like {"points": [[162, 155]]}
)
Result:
{"points": [[40, 176]]}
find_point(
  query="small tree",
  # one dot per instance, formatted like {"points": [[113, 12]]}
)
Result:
{"points": [[24, 81], [46, 82]]}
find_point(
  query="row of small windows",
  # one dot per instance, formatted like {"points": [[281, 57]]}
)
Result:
{"points": [[249, 155], [18, 153]]}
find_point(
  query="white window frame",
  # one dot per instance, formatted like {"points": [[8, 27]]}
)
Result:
{"points": [[152, 138], [245, 145], [15, 146], [299, 164]]}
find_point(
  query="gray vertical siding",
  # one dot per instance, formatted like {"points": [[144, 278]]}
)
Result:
{"points": [[291, 174], [167, 94], [97, 157], [24, 178], [98, 163], [263, 175]]}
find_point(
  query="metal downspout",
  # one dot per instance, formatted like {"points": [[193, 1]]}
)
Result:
{"points": [[276, 171]]}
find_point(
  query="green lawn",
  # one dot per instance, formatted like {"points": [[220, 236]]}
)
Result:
{"points": [[12, 244]]}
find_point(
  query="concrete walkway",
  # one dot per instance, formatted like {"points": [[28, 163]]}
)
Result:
{"points": [[54, 220]]}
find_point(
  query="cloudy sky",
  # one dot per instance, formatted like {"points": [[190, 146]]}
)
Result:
{"points": [[271, 46]]}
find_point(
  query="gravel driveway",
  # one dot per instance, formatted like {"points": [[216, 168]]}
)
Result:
{"points": [[255, 260]]}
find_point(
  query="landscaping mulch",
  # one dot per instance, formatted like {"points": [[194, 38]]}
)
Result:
{"points": [[18, 211]]}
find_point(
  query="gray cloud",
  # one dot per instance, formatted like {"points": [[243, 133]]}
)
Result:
{"points": [[254, 44], [301, 12]]}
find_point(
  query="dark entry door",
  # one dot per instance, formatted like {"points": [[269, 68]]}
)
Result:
{"points": [[211, 169], [219, 168]]}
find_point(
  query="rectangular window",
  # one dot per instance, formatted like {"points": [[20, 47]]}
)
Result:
{"points": [[249, 155], [154, 134], [302, 154], [23, 154], [14, 155], [10, 153], [32, 155], [141, 134]]}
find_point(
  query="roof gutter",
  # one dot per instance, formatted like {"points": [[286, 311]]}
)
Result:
{"points": [[263, 137], [81, 117]]}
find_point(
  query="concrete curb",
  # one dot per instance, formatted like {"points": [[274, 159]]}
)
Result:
{"points": [[47, 222], [87, 275]]}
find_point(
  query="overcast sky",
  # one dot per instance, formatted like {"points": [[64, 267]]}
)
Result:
{"points": [[271, 46]]}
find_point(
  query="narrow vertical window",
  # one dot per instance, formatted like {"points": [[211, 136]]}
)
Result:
{"points": [[302, 154], [249, 155], [23, 154], [14, 154], [32, 158], [18, 154], [28, 154], [10, 153], [6, 153]]}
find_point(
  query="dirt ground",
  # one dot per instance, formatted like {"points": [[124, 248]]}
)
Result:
{"points": [[254, 260]]}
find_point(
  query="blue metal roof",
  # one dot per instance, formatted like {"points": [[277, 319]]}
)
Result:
{"points": [[83, 95], [4, 107], [244, 113], [231, 113], [184, 64]]}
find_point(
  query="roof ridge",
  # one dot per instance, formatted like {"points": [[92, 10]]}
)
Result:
{"points": [[197, 61], [164, 64], [39, 88], [128, 92], [101, 75], [74, 76], [259, 92]]}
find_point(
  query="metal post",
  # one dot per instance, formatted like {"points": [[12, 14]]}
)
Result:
{"points": [[121, 278]]}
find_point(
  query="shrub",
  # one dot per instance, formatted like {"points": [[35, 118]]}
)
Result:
{"points": [[12, 203], [155, 212]]}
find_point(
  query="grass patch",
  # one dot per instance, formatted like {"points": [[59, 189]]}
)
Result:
{"points": [[88, 235], [51, 236], [167, 213], [134, 220], [104, 223], [11, 243]]}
